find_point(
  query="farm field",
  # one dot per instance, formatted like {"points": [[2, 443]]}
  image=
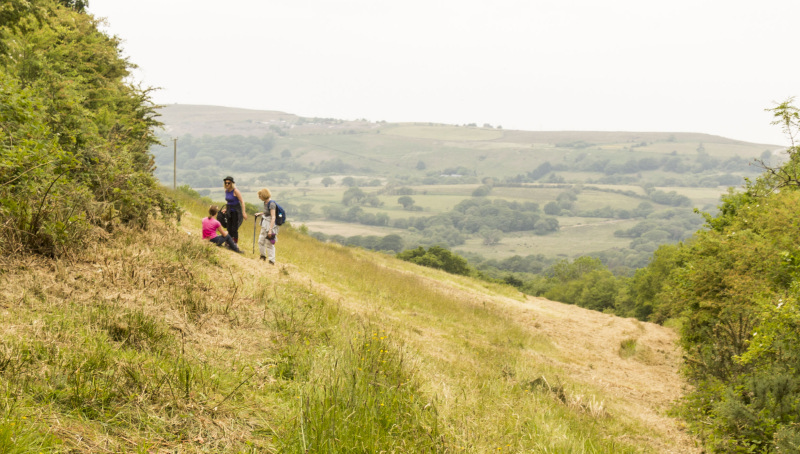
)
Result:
{"points": [[572, 241], [577, 236]]}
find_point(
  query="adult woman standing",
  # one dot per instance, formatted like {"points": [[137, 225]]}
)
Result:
{"points": [[269, 227], [235, 214]]}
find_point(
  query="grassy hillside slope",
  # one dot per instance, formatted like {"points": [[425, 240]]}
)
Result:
{"points": [[155, 341]]}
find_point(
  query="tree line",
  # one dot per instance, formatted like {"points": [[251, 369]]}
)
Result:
{"points": [[476, 215], [614, 169]]}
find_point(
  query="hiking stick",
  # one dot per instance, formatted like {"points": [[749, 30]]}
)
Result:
{"points": [[254, 233]]}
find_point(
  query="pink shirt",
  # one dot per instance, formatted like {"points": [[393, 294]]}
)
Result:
{"points": [[210, 226]]}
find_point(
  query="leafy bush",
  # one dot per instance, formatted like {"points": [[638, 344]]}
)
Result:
{"points": [[436, 257], [74, 136], [736, 288]]}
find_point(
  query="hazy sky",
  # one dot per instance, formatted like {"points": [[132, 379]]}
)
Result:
{"points": [[616, 65]]}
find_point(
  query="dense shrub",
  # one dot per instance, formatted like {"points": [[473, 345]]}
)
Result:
{"points": [[74, 135], [436, 257], [736, 286]]}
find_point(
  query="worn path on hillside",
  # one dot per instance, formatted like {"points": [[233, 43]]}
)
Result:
{"points": [[645, 385], [642, 387]]}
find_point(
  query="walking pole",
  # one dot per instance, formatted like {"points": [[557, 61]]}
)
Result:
{"points": [[254, 233]]}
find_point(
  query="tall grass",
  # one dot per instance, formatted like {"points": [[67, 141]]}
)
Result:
{"points": [[159, 342], [473, 361]]}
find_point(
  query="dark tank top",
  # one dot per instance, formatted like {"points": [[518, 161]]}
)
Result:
{"points": [[233, 202]]}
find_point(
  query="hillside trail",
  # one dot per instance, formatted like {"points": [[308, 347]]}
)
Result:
{"points": [[587, 343], [645, 385]]}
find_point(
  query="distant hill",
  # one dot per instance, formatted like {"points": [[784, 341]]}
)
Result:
{"points": [[199, 120], [615, 194], [183, 119]]}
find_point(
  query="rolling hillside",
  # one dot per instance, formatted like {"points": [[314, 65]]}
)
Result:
{"points": [[157, 342], [122, 331], [588, 186]]}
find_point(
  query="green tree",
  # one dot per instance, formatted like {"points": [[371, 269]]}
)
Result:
{"points": [[77, 5], [543, 169], [353, 195], [735, 287], [482, 191], [552, 208], [406, 201], [373, 200], [564, 271], [585, 282], [644, 298], [787, 116], [600, 289], [391, 242]]}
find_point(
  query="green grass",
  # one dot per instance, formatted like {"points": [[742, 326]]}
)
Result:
{"points": [[586, 235], [156, 341], [627, 348], [413, 308]]}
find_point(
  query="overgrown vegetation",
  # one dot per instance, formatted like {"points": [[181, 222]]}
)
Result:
{"points": [[75, 137], [436, 257], [734, 286]]}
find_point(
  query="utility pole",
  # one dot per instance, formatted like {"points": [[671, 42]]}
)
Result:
{"points": [[174, 163]]}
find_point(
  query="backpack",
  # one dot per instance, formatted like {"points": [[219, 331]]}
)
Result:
{"points": [[280, 214], [223, 219]]}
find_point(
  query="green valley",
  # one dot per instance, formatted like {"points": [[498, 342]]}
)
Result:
{"points": [[615, 195]]}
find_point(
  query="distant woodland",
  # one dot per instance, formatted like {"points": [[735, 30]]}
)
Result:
{"points": [[202, 157]]}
